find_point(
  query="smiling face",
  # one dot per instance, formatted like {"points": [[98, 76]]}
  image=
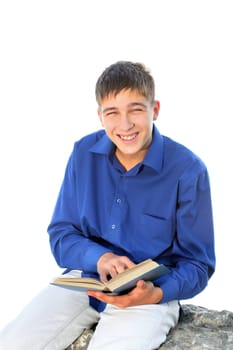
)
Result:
{"points": [[128, 121]]}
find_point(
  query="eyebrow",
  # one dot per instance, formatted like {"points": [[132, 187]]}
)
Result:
{"points": [[132, 104], [108, 109]]}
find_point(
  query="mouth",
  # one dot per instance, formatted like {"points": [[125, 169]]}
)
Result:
{"points": [[128, 138]]}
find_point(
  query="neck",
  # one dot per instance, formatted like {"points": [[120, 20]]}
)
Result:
{"points": [[128, 161]]}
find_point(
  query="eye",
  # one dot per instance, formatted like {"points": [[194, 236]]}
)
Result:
{"points": [[111, 114], [136, 110]]}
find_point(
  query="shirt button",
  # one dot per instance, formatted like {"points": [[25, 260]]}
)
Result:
{"points": [[113, 227], [118, 200]]}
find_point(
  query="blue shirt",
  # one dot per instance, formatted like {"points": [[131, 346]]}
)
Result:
{"points": [[160, 209]]}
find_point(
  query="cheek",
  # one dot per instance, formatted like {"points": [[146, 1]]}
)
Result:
{"points": [[108, 125], [101, 120], [146, 124]]}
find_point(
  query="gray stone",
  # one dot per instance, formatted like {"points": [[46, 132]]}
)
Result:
{"points": [[81, 343], [198, 329]]}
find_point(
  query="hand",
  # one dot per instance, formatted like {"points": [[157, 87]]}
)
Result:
{"points": [[143, 293], [110, 264]]}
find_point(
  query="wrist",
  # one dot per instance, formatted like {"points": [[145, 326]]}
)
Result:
{"points": [[157, 294]]}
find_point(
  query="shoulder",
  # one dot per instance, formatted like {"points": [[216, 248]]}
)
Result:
{"points": [[178, 155], [87, 141]]}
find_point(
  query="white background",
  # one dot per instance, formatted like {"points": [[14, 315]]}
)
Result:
{"points": [[51, 55]]}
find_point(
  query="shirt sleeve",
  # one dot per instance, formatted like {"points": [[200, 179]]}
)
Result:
{"points": [[192, 255], [71, 246]]}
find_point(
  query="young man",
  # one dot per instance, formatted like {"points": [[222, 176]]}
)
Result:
{"points": [[128, 194]]}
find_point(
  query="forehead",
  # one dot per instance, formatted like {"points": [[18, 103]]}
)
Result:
{"points": [[123, 99]]}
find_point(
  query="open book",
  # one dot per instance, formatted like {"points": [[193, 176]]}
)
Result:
{"points": [[147, 270]]}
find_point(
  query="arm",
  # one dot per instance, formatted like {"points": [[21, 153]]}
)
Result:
{"points": [[192, 255], [71, 243]]}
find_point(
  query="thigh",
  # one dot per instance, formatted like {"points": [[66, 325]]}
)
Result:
{"points": [[52, 320], [142, 327]]}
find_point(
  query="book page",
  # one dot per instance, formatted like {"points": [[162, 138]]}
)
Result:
{"points": [[82, 281], [131, 273]]}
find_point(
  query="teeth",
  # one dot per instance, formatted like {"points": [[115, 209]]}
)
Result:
{"points": [[128, 138]]}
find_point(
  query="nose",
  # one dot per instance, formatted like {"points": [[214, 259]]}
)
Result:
{"points": [[126, 123]]}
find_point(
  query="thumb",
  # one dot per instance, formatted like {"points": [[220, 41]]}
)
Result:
{"points": [[141, 284]]}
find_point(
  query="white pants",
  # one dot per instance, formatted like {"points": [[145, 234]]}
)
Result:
{"points": [[57, 316]]}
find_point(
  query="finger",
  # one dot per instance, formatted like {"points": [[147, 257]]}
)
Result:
{"points": [[103, 276], [109, 299], [120, 301], [141, 284], [127, 262], [113, 271], [121, 267]]}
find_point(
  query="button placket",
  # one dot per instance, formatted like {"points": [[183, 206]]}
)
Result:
{"points": [[117, 212]]}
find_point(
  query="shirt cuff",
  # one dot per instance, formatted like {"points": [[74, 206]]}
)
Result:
{"points": [[91, 257]]}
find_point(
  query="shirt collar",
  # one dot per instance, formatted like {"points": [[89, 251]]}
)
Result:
{"points": [[154, 155], [103, 146]]}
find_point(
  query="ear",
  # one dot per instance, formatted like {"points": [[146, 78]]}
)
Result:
{"points": [[156, 110], [99, 112]]}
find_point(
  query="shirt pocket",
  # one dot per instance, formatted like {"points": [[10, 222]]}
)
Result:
{"points": [[157, 231]]}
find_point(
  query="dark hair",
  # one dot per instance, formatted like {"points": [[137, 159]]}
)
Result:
{"points": [[125, 75]]}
